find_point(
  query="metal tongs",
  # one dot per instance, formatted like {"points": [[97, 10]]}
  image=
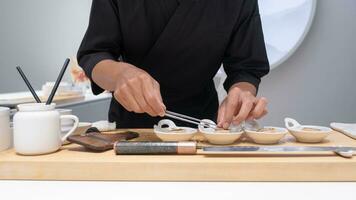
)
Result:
{"points": [[191, 120]]}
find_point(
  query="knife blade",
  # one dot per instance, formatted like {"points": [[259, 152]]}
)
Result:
{"points": [[342, 151]]}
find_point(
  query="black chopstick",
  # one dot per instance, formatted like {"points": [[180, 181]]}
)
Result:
{"points": [[58, 81], [38, 100]]}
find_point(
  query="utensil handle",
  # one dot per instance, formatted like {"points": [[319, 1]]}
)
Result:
{"points": [[154, 148], [166, 122], [290, 123], [71, 131]]}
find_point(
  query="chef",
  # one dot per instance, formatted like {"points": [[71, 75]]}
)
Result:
{"points": [[158, 55]]}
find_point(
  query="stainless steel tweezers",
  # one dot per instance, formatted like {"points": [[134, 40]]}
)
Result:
{"points": [[189, 119]]}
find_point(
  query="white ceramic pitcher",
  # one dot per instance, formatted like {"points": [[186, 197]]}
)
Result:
{"points": [[37, 129]]}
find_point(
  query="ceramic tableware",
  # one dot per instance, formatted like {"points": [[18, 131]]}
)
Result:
{"points": [[167, 130], [307, 133], [62, 88], [5, 131], [220, 136], [80, 130], [267, 134], [65, 122], [37, 129]]}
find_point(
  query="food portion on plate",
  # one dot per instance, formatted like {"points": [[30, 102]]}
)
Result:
{"points": [[220, 136], [266, 135]]}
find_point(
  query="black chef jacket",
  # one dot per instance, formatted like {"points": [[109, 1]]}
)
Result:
{"points": [[181, 44]]}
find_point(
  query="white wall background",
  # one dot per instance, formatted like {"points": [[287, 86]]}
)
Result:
{"points": [[38, 35], [315, 86]]}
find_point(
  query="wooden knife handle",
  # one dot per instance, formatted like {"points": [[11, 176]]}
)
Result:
{"points": [[154, 148]]}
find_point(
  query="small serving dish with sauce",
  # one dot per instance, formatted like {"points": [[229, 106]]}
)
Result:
{"points": [[307, 133], [166, 130], [221, 136], [267, 134]]}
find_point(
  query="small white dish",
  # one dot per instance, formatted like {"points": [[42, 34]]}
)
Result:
{"points": [[267, 135], [220, 136], [80, 130], [104, 125], [166, 130], [307, 133], [62, 88]]}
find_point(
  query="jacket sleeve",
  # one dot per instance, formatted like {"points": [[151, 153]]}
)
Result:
{"points": [[245, 58], [102, 39]]}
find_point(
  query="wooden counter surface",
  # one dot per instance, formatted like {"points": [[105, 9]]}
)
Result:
{"points": [[72, 162]]}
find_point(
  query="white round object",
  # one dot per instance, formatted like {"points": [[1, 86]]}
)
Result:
{"points": [[285, 26], [307, 133], [166, 130], [222, 137], [267, 137]]}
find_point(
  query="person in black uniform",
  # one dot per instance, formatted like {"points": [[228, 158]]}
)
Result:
{"points": [[163, 54]]}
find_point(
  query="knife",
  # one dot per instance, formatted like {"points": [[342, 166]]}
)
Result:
{"points": [[346, 152]]}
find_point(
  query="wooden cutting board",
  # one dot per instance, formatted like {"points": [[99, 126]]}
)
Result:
{"points": [[72, 162]]}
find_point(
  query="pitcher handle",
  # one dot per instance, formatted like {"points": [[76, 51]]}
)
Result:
{"points": [[75, 126]]}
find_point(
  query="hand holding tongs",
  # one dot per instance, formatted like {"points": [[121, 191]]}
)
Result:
{"points": [[191, 120]]}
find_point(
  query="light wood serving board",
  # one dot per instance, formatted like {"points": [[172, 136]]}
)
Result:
{"points": [[72, 162]]}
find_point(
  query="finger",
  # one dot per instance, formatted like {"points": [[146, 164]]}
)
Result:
{"points": [[221, 113], [130, 103], [264, 113], [231, 106], [123, 96], [124, 102], [259, 108], [246, 107], [158, 90], [140, 99], [153, 97]]}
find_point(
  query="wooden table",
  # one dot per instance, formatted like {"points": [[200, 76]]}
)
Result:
{"points": [[72, 162]]}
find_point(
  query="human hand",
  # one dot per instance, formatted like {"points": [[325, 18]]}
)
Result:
{"points": [[137, 91], [240, 105]]}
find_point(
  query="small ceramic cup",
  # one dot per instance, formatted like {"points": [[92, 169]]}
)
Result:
{"points": [[218, 136], [37, 129], [307, 133], [268, 135], [167, 130], [5, 131]]}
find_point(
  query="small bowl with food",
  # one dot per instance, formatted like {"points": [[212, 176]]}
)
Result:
{"points": [[220, 136], [166, 130], [307, 133], [266, 135]]}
